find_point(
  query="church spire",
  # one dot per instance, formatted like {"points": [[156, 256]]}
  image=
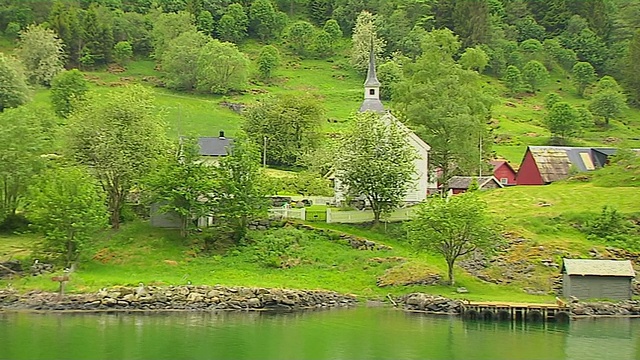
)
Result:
{"points": [[372, 87]]}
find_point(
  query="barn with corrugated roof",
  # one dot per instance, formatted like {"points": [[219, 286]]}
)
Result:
{"points": [[597, 279], [546, 164]]}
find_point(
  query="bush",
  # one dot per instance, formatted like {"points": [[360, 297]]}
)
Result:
{"points": [[13, 223], [278, 248]]}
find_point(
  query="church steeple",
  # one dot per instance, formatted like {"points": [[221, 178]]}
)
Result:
{"points": [[372, 87]]}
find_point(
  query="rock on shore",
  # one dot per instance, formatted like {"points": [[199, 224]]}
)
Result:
{"points": [[178, 298]]}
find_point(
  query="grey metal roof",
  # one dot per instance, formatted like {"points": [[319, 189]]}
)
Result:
{"points": [[463, 182], [214, 146], [372, 105], [598, 267], [372, 79]]}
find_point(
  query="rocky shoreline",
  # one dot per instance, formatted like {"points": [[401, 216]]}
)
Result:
{"points": [[189, 297], [442, 305]]}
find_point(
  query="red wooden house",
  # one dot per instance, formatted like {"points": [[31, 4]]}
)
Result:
{"points": [[546, 164], [504, 172]]}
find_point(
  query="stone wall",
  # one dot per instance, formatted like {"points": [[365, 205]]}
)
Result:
{"points": [[429, 303], [178, 298]]}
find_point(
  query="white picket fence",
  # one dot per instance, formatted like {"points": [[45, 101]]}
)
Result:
{"points": [[334, 216]]}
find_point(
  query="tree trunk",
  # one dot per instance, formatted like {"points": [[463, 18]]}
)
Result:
{"points": [[184, 223], [115, 218], [450, 272]]}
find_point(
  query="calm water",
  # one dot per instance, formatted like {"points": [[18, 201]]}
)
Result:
{"points": [[365, 333]]}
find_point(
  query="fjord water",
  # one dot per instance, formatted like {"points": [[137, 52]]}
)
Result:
{"points": [[363, 333]]}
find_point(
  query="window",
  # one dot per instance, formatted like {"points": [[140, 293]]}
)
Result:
{"points": [[504, 181], [372, 91]]}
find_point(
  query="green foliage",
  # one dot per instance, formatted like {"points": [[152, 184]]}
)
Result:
{"points": [[14, 90], [563, 121], [97, 37], [166, 27], [241, 196], [68, 90], [630, 68], [305, 183], [265, 21], [222, 68], [290, 125], [364, 37], [322, 44], [184, 185], [446, 105], [453, 227], [12, 31], [390, 74], [204, 22], [300, 36], [474, 59], [588, 46], [528, 28], [609, 101], [513, 79], [376, 161], [583, 75], [566, 58], [233, 24], [332, 28], [268, 61], [122, 52], [471, 21], [180, 60], [551, 99], [23, 135], [535, 74], [120, 136], [278, 249], [613, 228], [41, 53], [68, 206], [531, 46]]}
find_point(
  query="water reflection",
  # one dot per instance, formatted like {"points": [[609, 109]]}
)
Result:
{"points": [[339, 334]]}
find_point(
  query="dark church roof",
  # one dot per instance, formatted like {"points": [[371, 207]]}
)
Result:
{"points": [[372, 105], [214, 146], [372, 79]]}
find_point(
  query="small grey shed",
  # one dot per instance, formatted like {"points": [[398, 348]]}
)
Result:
{"points": [[597, 279]]}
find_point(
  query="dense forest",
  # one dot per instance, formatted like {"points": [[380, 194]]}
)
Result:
{"points": [[444, 67]]}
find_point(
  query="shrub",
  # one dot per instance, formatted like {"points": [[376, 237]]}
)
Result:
{"points": [[278, 248], [13, 223]]}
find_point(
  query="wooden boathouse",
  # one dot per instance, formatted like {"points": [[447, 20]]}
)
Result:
{"points": [[516, 312]]}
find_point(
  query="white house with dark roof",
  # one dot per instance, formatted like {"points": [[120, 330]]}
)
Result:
{"points": [[418, 190], [213, 148]]}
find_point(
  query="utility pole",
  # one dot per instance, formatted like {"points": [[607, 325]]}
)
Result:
{"points": [[264, 152], [480, 165]]}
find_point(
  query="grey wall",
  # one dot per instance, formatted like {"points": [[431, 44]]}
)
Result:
{"points": [[169, 220], [596, 287]]}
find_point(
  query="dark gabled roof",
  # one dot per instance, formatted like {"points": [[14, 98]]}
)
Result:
{"points": [[598, 267], [374, 105], [214, 146], [372, 79], [463, 182]]}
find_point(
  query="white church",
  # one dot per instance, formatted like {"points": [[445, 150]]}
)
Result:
{"points": [[417, 192]]}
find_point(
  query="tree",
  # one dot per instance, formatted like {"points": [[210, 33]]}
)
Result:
{"points": [[184, 185], [609, 101], [551, 99], [446, 106], [471, 20], [452, 227], [566, 58], [122, 52], [22, 142], [563, 121], [167, 27], [535, 74], [321, 45], [289, 125], [390, 75], [583, 75], [513, 79], [97, 36], [68, 206], [300, 36], [241, 198], [120, 136], [474, 59], [376, 161], [528, 28], [363, 38], [14, 90], [333, 29], [631, 68], [268, 60], [204, 22], [41, 53], [265, 21], [233, 24], [68, 90], [221, 68], [180, 60]]}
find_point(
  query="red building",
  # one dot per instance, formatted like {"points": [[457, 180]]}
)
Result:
{"points": [[546, 164], [504, 172]]}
